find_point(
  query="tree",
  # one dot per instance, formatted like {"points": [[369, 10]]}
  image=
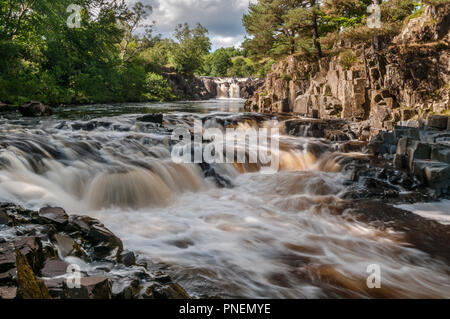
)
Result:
{"points": [[275, 26], [132, 43], [241, 68], [217, 63], [191, 46]]}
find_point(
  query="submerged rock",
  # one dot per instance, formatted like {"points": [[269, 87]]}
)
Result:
{"points": [[151, 118]]}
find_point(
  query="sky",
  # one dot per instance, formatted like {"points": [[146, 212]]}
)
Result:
{"points": [[223, 18]]}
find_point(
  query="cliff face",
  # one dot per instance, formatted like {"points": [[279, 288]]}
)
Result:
{"points": [[404, 79]]}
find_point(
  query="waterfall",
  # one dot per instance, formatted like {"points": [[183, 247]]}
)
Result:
{"points": [[229, 88]]}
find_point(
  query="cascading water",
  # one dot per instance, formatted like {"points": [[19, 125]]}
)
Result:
{"points": [[270, 235], [229, 88]]}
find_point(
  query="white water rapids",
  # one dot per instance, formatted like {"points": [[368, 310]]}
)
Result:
{"points": [[269, 236]]}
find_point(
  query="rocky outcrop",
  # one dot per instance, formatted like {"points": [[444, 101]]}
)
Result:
{"points": [[39, 252], [426, 27], [423, 151], [395, 82], [187, 88]]}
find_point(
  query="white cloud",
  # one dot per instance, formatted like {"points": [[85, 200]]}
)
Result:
{"points": [[223, 18], [225, 42]]}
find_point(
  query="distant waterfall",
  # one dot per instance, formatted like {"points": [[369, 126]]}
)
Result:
{"points": [[229, 88]]}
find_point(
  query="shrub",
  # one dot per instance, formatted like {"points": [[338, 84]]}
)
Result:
{"points": [[347, 59], [157, 89]]}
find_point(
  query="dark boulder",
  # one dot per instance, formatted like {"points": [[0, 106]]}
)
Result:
{"points": [[128, 258], [54, 215], [35, 109], [31, 248], [438, 121], [151, 118], [91, 288], [54, 267]]}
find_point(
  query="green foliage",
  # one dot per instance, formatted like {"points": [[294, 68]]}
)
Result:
{"points": [[105, 60], [157, 89], [241, 68], [227, 62], [158, 55], [193, 44], [217, 63], [396, 10], [265, 67], [347, 59], [277, 26]]}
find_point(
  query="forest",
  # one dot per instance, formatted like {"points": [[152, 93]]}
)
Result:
{"points": [[113, 54]]}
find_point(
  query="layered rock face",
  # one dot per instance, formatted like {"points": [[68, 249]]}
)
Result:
{"points": [[422, 151], [405, 78], [187, 88]]}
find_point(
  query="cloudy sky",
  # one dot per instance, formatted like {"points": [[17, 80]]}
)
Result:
{"points": [[221, 17]]}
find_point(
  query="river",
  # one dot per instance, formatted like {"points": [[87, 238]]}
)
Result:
{"points": [[264, 236]]}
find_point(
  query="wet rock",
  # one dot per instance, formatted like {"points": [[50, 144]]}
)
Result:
{"points": [[54, 267], [152, 118], [162, 278], [106, 243], [56, 287], [221, 181], [440, 153], [8, 278], [35, 109], [86, 126], [417, 151], [128, 258], [98, 287], [31, 248], [54, 215], [17, 215], [353, 146], [69, 247], [4, 218], [126, 290], [8, 292], [172, 291], [7, 257], [82, 223], [438, 121], [437, 176]]}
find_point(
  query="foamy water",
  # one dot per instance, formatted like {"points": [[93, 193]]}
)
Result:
{"points": [[439, 211]]}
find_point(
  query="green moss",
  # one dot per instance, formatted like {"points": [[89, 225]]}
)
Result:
{"points": [[29, 286]]}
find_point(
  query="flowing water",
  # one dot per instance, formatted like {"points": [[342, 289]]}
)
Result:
{"points": [[228, 88], [267, 236]]}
